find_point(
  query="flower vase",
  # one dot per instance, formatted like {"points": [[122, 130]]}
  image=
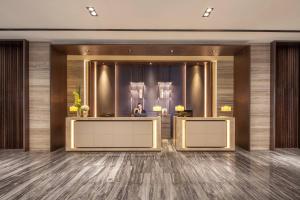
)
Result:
{"points": [[85, 113]]}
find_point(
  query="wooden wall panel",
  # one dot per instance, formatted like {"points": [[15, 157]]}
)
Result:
{"points": [[105, 89], [286, 94], [39, 95], [195, 89], [225, 90], [260, 97], [14, 94], [74, 80], [242, 97], [58, 98]]}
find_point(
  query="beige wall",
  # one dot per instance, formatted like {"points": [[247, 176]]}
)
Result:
{"points": [[259, 92], [260, 97], [39, 96]]}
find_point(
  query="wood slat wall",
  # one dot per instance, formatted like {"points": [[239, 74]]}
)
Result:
{"points": [[14, 94], [260, 97], [39, 95], [225, 90], [286, 107]]}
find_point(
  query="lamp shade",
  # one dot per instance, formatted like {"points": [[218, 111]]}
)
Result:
{"points": [[179, 108], [226, 108], [156, 108]]}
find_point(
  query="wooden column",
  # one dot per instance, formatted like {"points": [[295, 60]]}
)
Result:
{"points": [[14, 115], [242, 97], [58, 99], [285, 94]]}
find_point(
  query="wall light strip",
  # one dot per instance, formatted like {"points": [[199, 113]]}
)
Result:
{"points": [[215, 88], [154, 134], [116, 90], [85, 82], [183, 134], [72, 134], [205, 89], [95, 90], [184, 85], [228, 133]]}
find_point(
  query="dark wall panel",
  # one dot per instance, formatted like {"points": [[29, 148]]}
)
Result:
{"points": [[150, 75], [58, 99], [14, 115], [242, 97], [285, 109]]}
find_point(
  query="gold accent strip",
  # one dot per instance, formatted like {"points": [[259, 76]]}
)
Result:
{"points": [[72, 134], [215, 89], [116, 90], [148, 58], [228, 133], [183, 133], [205, 89], [95, 90], [154, 134], [85, 82], [184, 85]]}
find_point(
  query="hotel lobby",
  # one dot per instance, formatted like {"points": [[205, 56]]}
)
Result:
{"points": [[145, 100]]}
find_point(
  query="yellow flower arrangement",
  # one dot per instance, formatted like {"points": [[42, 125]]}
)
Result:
{"points": [[73, 109], [76, 107]]}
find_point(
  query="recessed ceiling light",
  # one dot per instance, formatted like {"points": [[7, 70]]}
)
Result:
{"points": [[90, 8], [93, 13], [207, 12]]}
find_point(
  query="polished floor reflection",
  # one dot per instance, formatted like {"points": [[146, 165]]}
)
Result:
{"points": [[166, 175]]}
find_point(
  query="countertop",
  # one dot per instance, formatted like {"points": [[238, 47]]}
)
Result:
{"points": [[113, 118]]}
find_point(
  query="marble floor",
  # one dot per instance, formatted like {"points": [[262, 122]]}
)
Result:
{"points": [[165, 175]]}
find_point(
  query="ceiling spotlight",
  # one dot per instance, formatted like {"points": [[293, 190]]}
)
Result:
{"points": [[207, 12], [90, 8], [92, 11]]}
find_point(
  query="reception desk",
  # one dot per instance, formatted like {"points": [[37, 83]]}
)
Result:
{"points": [[113, 134], [204, 134]]}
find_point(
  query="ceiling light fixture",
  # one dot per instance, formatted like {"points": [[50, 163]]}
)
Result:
{"points": [[92, 11], [90, 8], [207, 12]]}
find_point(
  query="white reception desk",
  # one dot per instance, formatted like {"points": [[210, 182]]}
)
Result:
{"points": [[204, 133], [113, 134]]}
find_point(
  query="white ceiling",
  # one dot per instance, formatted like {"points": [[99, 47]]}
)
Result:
{"points": [[150, 14]]}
